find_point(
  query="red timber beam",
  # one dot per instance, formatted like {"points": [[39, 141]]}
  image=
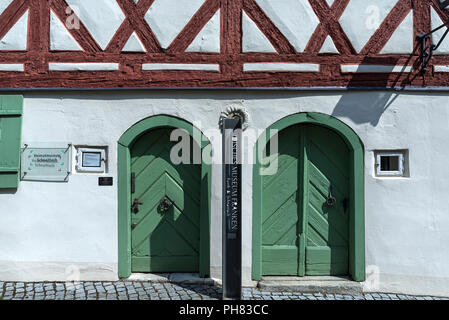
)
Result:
{"points": [[231, 59]]}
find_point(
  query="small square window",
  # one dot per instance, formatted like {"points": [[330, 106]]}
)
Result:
{"points": [[91, 160], [390, 163]]}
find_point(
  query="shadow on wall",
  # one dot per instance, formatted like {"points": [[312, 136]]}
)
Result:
{"points": [[364, 107], [368, 106]]}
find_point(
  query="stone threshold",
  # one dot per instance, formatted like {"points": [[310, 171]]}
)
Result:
{"points": [[177, 278], [311, 284]]}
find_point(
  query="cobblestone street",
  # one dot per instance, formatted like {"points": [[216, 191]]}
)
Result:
{"points": [[163, 291]]}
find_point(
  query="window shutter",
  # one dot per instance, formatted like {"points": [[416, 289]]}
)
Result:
{"points": [[10, 140]]}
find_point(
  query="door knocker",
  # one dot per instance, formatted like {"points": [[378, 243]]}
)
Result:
{"points": [[331, 201], [165, 205]]}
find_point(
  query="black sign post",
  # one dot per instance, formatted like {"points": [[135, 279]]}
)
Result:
{"points": [[232, 209]]}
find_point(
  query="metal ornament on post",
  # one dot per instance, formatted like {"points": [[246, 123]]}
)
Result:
{"points": [[232, 123], [427, 50]]}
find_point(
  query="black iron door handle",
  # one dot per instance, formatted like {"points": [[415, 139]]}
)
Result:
{"points": [[135, 206], [331, 201]]}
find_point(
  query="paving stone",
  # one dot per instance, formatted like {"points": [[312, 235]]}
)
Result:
{"points": [[166, 291]]}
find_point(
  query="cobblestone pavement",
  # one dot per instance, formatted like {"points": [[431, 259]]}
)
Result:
{"points": [[163, 291]]}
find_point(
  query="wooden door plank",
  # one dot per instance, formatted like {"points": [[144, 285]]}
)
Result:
{"points": [[304, 178], [165, 264], [277, 260], [281, 202], [327, 233], [275, 227]]}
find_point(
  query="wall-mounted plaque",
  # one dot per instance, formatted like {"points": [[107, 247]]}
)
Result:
{"points": [[105, 181], [44, 163]]}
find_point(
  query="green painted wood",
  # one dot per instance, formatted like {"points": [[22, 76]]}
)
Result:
{"points": [[355, 158], [325, 261], [281, 202], [185, 264], [311, 159], [328, 165], [206, 172], [169, 241], [305, 200], [128, 139], [277, 260], [124, 211], [10, 140]]}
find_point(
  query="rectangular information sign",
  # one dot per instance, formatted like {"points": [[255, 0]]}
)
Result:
{"points": [[42, 163], [232, 209]]}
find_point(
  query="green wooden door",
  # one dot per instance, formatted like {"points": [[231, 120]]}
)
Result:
{"points": [[164, 241], [301, 233]]}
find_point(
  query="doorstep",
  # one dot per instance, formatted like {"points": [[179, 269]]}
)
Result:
{"points": [[311, 284], [187, 278]]}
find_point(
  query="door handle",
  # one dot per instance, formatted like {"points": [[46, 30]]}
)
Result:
{"points": [[135, 206], [133, 182], [330, 201], [165, 205]]}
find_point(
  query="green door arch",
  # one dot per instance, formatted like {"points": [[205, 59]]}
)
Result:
{"points": [[128, 253], [298, 251]]}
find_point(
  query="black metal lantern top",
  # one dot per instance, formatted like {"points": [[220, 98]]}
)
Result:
{"points": [[427, 50], [444, 4]]}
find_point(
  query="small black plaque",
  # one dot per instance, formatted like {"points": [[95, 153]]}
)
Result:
{"points": [[105, 181]]}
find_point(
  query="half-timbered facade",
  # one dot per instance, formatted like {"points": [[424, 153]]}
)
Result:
{"points": [[360, 184]]}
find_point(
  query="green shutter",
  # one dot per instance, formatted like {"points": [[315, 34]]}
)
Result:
{"points": [[10, 138]]}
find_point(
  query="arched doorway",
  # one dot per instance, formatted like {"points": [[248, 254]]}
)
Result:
{"points": [[308, 216], [164, 206]]}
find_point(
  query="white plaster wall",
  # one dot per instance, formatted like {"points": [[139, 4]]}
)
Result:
{"points": [[48, 229], [362, 18]]}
